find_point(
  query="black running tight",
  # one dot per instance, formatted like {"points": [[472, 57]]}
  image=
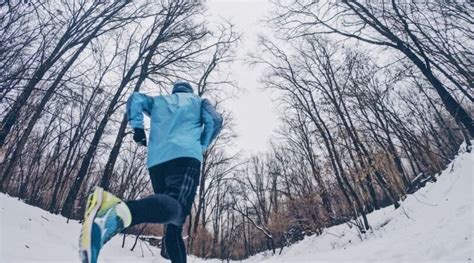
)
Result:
{"points": [[174, 183]]}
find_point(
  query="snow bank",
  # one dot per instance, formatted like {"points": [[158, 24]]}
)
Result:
{"points": [[30, 234], [434, 224]]}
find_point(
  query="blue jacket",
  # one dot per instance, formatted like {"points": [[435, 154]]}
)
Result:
{"points": [[182, 124]]}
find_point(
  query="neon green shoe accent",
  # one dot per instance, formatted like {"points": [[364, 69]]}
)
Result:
{"points": [[110, 201], [98, 225], [94, 201]]}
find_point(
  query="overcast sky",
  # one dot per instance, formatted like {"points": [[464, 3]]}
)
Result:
{"points": [[255, 114]]}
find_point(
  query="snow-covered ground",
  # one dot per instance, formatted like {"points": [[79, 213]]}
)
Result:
{"points": [[433, 225]]}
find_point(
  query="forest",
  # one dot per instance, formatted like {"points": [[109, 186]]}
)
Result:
{"points": [[375, 98]]}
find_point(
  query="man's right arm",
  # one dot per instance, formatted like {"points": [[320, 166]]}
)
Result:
{"points": [[212, 121]]}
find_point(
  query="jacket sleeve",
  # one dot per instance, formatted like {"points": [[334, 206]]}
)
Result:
{"points": [[138, 104], [212, 122]]}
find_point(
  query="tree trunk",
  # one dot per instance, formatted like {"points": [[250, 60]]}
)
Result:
{"points": [[37, 114]]}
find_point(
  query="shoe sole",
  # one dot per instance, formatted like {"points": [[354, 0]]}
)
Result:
{"points": [[93, 204]]}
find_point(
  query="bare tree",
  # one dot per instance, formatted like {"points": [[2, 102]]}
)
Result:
{"points": [[422, 32], [86, 22], [168, 12], [97, 25]]}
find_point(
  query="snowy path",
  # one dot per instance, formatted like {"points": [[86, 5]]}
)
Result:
{"points": [[434, 225]]}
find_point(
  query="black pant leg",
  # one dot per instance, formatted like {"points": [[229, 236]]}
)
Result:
{"points": [[182, 181], [157, 208], [175, 183], [157, 176], [175, 248]]}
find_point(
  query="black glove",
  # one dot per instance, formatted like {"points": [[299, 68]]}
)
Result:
{"points": [[139, 136]]}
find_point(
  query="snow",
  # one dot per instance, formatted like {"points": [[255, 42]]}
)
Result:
{"points": [[433, 225]]}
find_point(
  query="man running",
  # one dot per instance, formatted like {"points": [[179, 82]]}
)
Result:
{"points": [[182, 126]]}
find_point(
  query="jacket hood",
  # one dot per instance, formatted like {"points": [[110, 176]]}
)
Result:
{"points": [[182, 87]]}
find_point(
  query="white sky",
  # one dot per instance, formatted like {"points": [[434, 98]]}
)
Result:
{"points": [[255, 115]]}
